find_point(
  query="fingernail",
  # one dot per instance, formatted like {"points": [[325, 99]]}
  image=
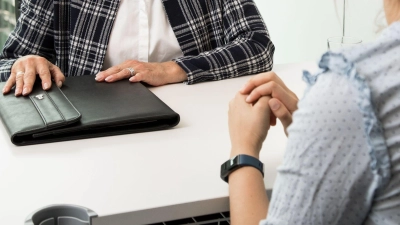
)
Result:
{"points": [[248, 99], [132, 79], [17, 91], [275, 106], [97, 78], [25, 91], [59, 84], [45, 86], [109, 78]]}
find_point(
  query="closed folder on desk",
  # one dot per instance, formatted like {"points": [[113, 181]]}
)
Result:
{"points": [[83, 108]]}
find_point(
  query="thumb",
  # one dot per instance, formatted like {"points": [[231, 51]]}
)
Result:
{"points": [[281, 112]]}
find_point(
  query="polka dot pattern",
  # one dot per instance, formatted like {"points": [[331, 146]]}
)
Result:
{"points": [[342, 163]]}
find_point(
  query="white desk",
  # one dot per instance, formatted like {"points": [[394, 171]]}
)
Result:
{"points": [[122, 174]]}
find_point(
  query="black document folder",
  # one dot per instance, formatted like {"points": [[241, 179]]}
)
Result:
{"points": [[83, 108]]}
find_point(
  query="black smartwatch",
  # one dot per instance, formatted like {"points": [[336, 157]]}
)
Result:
{"points": [[240, 161]]}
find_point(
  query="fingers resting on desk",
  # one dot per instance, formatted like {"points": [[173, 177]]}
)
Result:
{"points": [[155, 74], [25, 70]]}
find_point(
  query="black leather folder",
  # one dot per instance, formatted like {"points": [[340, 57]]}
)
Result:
{"points": [[83, 108]]}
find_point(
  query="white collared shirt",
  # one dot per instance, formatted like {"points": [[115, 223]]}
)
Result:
{"points": [[141, 31]]}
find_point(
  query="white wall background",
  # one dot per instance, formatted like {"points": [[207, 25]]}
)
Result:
{"points": [[300, 28]]}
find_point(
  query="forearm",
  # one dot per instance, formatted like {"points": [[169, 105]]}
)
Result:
{"points": [[248, 199], [247, 55], [248, 128]]}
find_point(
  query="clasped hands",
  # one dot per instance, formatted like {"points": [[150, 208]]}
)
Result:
{"points": [[25, 70], [255, 108]]}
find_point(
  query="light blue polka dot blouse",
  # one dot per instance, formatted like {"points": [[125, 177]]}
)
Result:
{"points": [[342, 163]]}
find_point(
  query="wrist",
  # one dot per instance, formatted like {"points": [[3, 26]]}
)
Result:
{"points": [[237, 163], [245, 150], [174, 72]]}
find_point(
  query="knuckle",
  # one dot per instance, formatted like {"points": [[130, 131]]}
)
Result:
{"points": [[267, 76], [30, 60], [24, 57], [25, 62], [44, 72], [41, 60], [270, 75], [273, 84], [273, 87], [122, 74], [52, 68], [140, 66], [114, 68], [256, 92], [139, 76], [252, 80], [50, 64], [16, 65], [28, 84], [28, 74], [19, 82], [19, 77]]}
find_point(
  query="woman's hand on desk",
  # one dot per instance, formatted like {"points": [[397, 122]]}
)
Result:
{"points": [[155, 74], [283, 101], [24, 72], [248, 125]]}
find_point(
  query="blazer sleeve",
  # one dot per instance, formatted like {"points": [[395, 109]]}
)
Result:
{"points": [[247, 46], [33, 35]]}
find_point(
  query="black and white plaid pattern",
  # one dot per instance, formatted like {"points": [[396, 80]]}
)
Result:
{"points": [[219, 38]]}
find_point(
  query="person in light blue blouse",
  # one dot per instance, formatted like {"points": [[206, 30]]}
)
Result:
{"points": [[342, 162]]}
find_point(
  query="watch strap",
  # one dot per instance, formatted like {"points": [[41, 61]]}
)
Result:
{"points": [[240, 161]]}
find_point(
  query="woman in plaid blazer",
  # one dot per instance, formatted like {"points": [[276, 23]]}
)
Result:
{"points": [[219, 39]]}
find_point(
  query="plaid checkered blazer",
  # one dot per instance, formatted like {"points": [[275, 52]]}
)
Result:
{"points": [[219, 38]]}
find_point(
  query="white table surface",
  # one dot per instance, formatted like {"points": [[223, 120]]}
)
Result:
{"points": [[126, 173]]}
